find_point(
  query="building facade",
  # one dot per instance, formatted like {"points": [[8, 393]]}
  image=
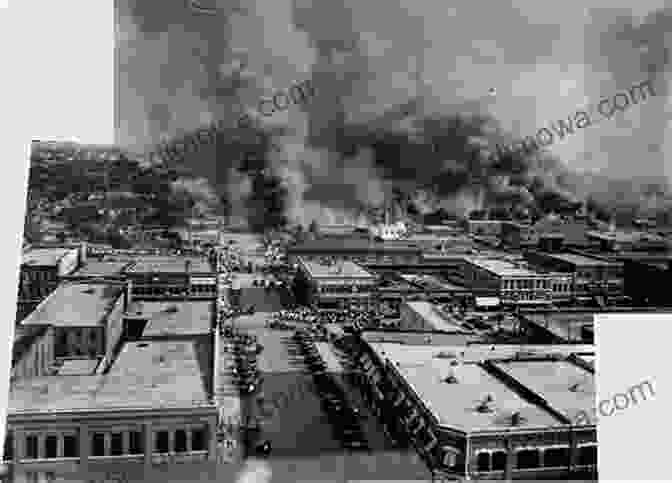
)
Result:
{"points": [[41, 272], [335, 284], [511, 282]]}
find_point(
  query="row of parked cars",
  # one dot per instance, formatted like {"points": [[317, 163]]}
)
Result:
{"points": [[246, 374], [344, 418]]}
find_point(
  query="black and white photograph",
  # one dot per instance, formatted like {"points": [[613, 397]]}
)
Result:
{"points": [[345, 241]]}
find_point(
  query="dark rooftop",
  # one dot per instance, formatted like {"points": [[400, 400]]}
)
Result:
{"points": [[353, 245]]}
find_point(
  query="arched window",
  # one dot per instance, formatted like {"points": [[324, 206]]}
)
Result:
{"points": [[483, 461]]}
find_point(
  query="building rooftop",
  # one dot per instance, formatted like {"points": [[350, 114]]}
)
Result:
{"points": [[409, 352], [502, 268], [430, 282], [170, 265], [343, 245], [78, 367], [176, 318], [101, 269], [146, 375], [44, 257], [76, 305], [456, 405], [436, 317], [24, 337], [425, 369], [419, 338], [340, 269], [566, 387], [567, 325], [581, 260], [574, 231]]}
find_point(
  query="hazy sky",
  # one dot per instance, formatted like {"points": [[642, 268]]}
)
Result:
{"points": [[545, 60]]}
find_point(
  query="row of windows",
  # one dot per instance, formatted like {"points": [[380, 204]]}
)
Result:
{"points": [[529, 284], [79, 342], [343, 288], [109, 444], [531, 458], [527, 295], [562, 287], [175, 291]]}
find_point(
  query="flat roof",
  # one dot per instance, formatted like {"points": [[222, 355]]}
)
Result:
{"points": [[438, 319], [340, 245], [430, 282], [500, 267], [474, 352], [174, 317], [418, 338], [151, 375], [581, 260], [567, 325], [75, 305], [24, 337], [340, 269], [170, 265], [78, 367], [566, 387], [100, 269], [455, 405], [44, 256]]}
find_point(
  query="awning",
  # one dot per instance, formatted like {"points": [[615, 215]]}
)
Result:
{"points": [[487, 301]]}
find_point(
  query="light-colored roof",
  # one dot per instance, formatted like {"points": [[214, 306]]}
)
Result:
{"points": [[410, 353], [567, 325], [174, 317], [455, 405], [45, 256], [341, 269], [566, 387], [502, 268], [438, 319], [78, 367], [156, 375], [583, 261], [170, 265], [425, 367], [94, 268], [76, 305]]}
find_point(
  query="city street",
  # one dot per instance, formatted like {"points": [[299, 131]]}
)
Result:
{"points": [[304, 447]]}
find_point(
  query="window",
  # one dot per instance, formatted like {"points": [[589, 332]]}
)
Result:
{"points": [[198, 440], [180, 441], [51, 445], [498, 461], [483, 461], [588, 455], [135, 442], [161, 443], [527, 458], [554, 457], [31, 447], [9, 447], [98, 445], [116, 445], [70, 447], [449, 459]]}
